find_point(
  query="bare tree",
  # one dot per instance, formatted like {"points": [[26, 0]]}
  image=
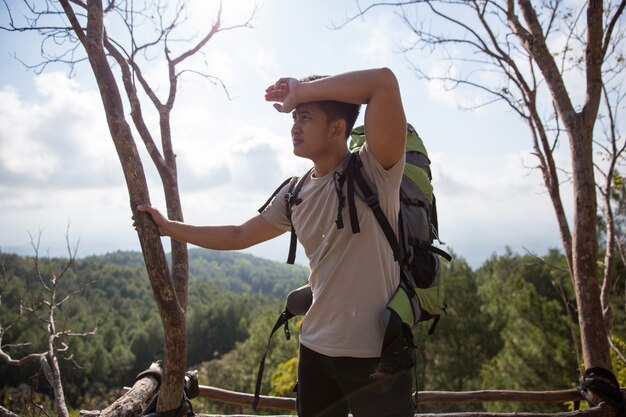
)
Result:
{"points": [[43, 305], [521, 53], [87, 32]]}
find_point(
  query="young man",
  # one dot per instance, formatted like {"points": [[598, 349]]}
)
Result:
{"points": [[353, 276]]}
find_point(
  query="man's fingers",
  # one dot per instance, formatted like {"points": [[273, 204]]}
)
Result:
{"points": [[146, 209], [278, 91], [275, 95]]}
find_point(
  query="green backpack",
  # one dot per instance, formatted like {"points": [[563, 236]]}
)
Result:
{"points": [[421, 293]]}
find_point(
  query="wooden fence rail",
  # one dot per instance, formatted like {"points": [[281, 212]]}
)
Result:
{"points": [[423, 397], [131, 403], [601, 411]]}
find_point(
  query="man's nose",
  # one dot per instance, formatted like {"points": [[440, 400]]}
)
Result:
{"points": [[295, 127]]}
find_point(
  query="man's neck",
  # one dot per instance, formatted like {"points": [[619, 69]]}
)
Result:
{"points": [[323, 167]]}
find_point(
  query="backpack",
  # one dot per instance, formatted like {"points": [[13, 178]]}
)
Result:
{"points": [[420, 295]]}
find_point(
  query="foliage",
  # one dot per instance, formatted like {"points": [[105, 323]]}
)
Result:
{"points": [[283, 378], [521, 295], [509, 325], [31, 404], [450, 359], [617, 360], [243, 273], [129, 333], [286, 374], [618, 363], [237, 370]]}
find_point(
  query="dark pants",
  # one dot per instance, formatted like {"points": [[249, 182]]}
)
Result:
{"points": [[330, 387]]}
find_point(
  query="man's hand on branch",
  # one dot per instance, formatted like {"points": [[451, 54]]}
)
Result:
{"points": [[157, 217]]}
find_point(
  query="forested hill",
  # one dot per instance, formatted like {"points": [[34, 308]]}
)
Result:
{"points": [[245, 273], [238, 272], [112, 297], [509, 325]]}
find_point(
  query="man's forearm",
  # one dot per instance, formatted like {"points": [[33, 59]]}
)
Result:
{"points": [[209, 237], [357, 87], [227, 237]]}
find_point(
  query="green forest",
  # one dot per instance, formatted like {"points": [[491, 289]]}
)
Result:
{"points": [[510, 324]]}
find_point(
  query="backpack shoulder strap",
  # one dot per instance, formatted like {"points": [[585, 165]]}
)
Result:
{"points": [[283, 320], [341, 178], [354, 164], [280, 187], [374, 204], [291, 199]]}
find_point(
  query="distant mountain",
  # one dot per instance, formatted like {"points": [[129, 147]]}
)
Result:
{"points": [[237, 272], [244, 273]]}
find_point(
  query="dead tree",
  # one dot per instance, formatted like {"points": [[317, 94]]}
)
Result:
{"points": [[86, 37], [43, 306]]}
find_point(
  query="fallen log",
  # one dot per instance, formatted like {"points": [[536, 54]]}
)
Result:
{"points": [[132, 402]]}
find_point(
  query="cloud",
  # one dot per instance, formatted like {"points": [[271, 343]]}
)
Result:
{"points": [[97, 219], [499, 176], [377, 44], [56, 139], [497, 204], [223, 144]]}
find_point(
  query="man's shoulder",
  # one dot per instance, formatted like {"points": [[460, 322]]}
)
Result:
{"points": [[376, 170]]}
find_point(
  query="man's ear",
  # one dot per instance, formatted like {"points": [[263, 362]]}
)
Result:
{"points": [[339, 128]]}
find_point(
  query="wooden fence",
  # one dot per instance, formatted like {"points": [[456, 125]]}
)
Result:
{"points": [[134, 399], [428, 397]]}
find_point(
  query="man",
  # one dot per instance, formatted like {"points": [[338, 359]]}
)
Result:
{"points": [[353, 276]]}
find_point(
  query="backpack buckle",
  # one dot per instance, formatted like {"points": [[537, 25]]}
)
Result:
{"points": [[290, 199]]}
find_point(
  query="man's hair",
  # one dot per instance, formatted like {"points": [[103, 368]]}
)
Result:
{"points": [[337, 109]]}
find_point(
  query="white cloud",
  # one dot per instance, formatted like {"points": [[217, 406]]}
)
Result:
{"points": [[501, 203], [58, 138], [203, 13], [377, 43], [19, 152]]}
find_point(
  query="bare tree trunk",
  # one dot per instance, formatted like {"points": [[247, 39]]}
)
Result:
{"points": [[171, 311], [579, 127], [166, 165], [592, 327], [50, 366], [49, 362], [7, 413]]}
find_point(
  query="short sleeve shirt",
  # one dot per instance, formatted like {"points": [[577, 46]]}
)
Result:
{"points": [[353, 275]]}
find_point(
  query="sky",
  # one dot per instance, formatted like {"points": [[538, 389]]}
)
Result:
{"points": [[61, 180]]}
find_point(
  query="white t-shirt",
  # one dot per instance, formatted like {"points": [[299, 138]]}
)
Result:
{"points": [[353, 276]]}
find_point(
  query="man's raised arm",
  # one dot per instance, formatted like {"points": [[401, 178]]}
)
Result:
{"points": [[385, 122]]}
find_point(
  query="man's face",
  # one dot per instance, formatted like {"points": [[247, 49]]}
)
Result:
{"points": [[311, 132]]}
